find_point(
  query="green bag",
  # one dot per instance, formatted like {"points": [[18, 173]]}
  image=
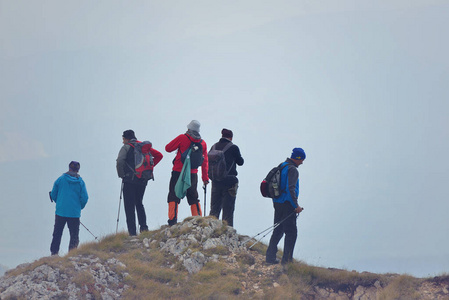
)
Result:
{"points": [[184, 182]]}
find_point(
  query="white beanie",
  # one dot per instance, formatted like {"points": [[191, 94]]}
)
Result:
{"points": [[194, 125]]}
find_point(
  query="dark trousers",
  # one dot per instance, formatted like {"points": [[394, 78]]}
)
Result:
{"points": [[192, 192], [133, 202], [288, 227], [223, 198], [74, 229]]}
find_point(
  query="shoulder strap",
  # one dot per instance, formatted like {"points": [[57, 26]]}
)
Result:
{"points": [[228, 145]]}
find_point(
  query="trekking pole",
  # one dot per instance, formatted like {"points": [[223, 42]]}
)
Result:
{"points": [[253, 237], [49, 193], [119, 204], [272, 229], [88, 230], [204, 210]]}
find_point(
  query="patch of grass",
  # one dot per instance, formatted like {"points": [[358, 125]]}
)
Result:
{"points": [[207, 276], [83, 277], [52, 261], [148, 289], [86, 282], [259, 247], [403, 287], [219, 250], [204, 222], [338, 280], [210, 284], [220, 231], [245, 259]]}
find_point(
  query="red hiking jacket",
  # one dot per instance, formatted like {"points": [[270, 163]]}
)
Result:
{"points": [[182, 143]]}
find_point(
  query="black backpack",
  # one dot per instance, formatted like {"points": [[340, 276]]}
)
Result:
{"points": [[270, 187], [218, 169], [196, 155]]}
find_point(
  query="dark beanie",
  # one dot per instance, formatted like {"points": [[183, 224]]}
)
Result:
{"points": [[74, 166], [226, 133], [129, 134]]}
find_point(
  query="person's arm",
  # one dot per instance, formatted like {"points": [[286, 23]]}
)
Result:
{"points": [[121, 161], [238, 157], [293, 177], [54, 191], [157, 156], [84, 196], [205, 165], [174, 144]]}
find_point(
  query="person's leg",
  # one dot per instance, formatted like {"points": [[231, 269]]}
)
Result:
{"points": [[74, 229], [229, 196], [57, 234], [275, 237], [192, 196], [129, 195], [172, 200], [141, 215], [215, 201], [291, 233]]}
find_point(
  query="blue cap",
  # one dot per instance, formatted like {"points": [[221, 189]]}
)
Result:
{"points": [[298, 153]]}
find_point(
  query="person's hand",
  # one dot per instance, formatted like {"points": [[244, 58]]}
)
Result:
{"points": [[205, 183], [298, 209]]}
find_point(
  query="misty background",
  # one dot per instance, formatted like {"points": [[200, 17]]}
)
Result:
{"points": [[362, 87]]}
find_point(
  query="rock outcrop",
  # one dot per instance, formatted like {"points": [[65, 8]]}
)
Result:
{"points": [[99, 273]]}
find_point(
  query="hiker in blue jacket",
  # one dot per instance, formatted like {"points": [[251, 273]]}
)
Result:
{"points": [[286, 209], [70, 194]]}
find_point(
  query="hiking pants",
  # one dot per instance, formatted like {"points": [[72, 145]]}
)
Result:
{"points": [[191, 195], [133, 201], [281, 212], [74, 229], [223, 198]]}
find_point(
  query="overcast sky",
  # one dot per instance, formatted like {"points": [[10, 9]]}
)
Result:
{"points": [[362, 87]]}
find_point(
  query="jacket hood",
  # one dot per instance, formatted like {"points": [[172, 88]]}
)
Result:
{"points": [[194, 134], [72, 176]]}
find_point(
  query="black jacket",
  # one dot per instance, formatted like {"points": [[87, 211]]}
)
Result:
{"points": [[233, 158]]}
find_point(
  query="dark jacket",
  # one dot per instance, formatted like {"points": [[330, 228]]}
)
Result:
{"points": [[233, 158]]}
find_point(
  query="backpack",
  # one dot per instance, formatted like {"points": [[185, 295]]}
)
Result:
{"points": [[270, 187], [143, 160], [217, 163], [196, 155]]}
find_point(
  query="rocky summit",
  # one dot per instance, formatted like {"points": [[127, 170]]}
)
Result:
{"points": [[200, 258]]}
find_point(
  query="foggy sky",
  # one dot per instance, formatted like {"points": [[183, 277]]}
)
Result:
{"points": [[361, 87]]}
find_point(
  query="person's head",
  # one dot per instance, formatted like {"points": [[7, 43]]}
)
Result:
{"points": [[194, 125], [74, 166], [226, 133], [128, 135], [298, 156]]}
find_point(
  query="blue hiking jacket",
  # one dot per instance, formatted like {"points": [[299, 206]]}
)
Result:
{"points": [[70, 194], [289, 184]]}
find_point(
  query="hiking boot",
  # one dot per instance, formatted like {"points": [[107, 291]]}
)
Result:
{"points": [[272, 262], [172, 222], [143, 228]]}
